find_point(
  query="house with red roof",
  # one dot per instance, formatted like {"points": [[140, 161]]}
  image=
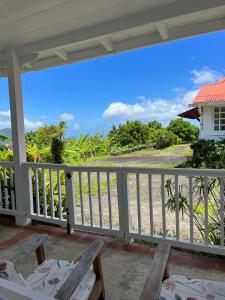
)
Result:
{"points": [[209, 109]]}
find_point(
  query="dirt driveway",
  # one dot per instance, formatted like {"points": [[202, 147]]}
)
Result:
{"points": [[148, 158]]}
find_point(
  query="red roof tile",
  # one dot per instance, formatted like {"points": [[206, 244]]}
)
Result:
{"points": [[214, 92]]}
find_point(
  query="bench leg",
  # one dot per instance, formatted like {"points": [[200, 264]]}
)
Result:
{"points": [[40, 253]]}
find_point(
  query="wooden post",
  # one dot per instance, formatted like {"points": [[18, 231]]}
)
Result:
{"points": [[123, 199], [70, 201], [18, 135]]}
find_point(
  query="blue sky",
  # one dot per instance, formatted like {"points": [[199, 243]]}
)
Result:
{"points": [[146, 84]]}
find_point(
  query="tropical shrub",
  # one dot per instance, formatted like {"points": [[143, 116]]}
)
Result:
{"points": [[6, 154], [208, 154], [85, 147], [164, 139], [43, 136], [214, 205], [130, 134], [184, 130]]}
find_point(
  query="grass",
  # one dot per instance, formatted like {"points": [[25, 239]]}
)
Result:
{"points": [[175, 150], [183, 149]]}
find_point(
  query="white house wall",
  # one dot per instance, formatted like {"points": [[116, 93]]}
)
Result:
{"points": [[207, 125]]}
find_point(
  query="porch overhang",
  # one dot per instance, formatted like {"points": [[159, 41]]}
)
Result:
{"points": [[50, 33], [192, 114]]}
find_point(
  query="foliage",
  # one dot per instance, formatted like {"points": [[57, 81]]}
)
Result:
{"points": [[43, 140], [32, 153], [184, 130], [47, 143], [6, 154], [163, 138], [57, 148], [85, 147], [155, 125], [43, 136], [3, 139], [130, 134], [214, 206], [208, 154]]}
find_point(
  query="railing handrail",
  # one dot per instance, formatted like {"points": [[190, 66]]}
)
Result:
{"points": [[140, 170], [45, 181], [7, 163]]}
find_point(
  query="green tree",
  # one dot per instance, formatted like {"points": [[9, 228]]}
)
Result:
{"points": [[155, 125], [57, 149], [184, 130], [131, 133], [43, 136]]}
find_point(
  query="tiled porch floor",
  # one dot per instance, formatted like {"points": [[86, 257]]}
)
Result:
{"points": [[124, 268]]}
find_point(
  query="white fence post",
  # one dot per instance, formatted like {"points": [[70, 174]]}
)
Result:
{"points": [[123, 204], [70, 200], [27, 171]]}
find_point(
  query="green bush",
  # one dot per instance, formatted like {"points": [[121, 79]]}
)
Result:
{"points": [[208, 154], [184, 130], [163, 138], [130, 134], [85, 147]]}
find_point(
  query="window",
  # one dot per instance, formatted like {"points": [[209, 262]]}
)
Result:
{"points": [[219, 118]]}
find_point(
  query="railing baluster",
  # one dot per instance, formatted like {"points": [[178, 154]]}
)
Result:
{"points": [[51, 194], [191, 208], [206, 209], [37, 191], [177, 207], [59, 194], [221, 211], [70, 199], [90, 198], [6, 189], [163, 205], [150, 203], [12, 186], [109, 199], [123, 192], [138, 203], [44, 192], [81, 198], [99, 199]]}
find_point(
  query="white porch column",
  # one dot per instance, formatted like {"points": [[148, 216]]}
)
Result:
{"points": [[18, 134]]}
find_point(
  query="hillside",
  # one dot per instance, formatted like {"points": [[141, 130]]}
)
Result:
{"points": [[6, 131]]}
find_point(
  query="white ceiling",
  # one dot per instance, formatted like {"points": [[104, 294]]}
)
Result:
{"points": [[47, 33]]}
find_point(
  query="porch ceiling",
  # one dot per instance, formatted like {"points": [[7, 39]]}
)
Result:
{"points": [[48, 33]]}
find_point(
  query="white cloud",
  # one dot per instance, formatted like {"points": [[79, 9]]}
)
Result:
{"points": [[123, 110], [150, 109], [205, 75], [66, 117], [76, 126], [5, 121], [32, 124]]}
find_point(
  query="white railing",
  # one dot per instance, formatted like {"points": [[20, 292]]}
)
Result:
{"points": [[178, 206], [7, 189]]}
